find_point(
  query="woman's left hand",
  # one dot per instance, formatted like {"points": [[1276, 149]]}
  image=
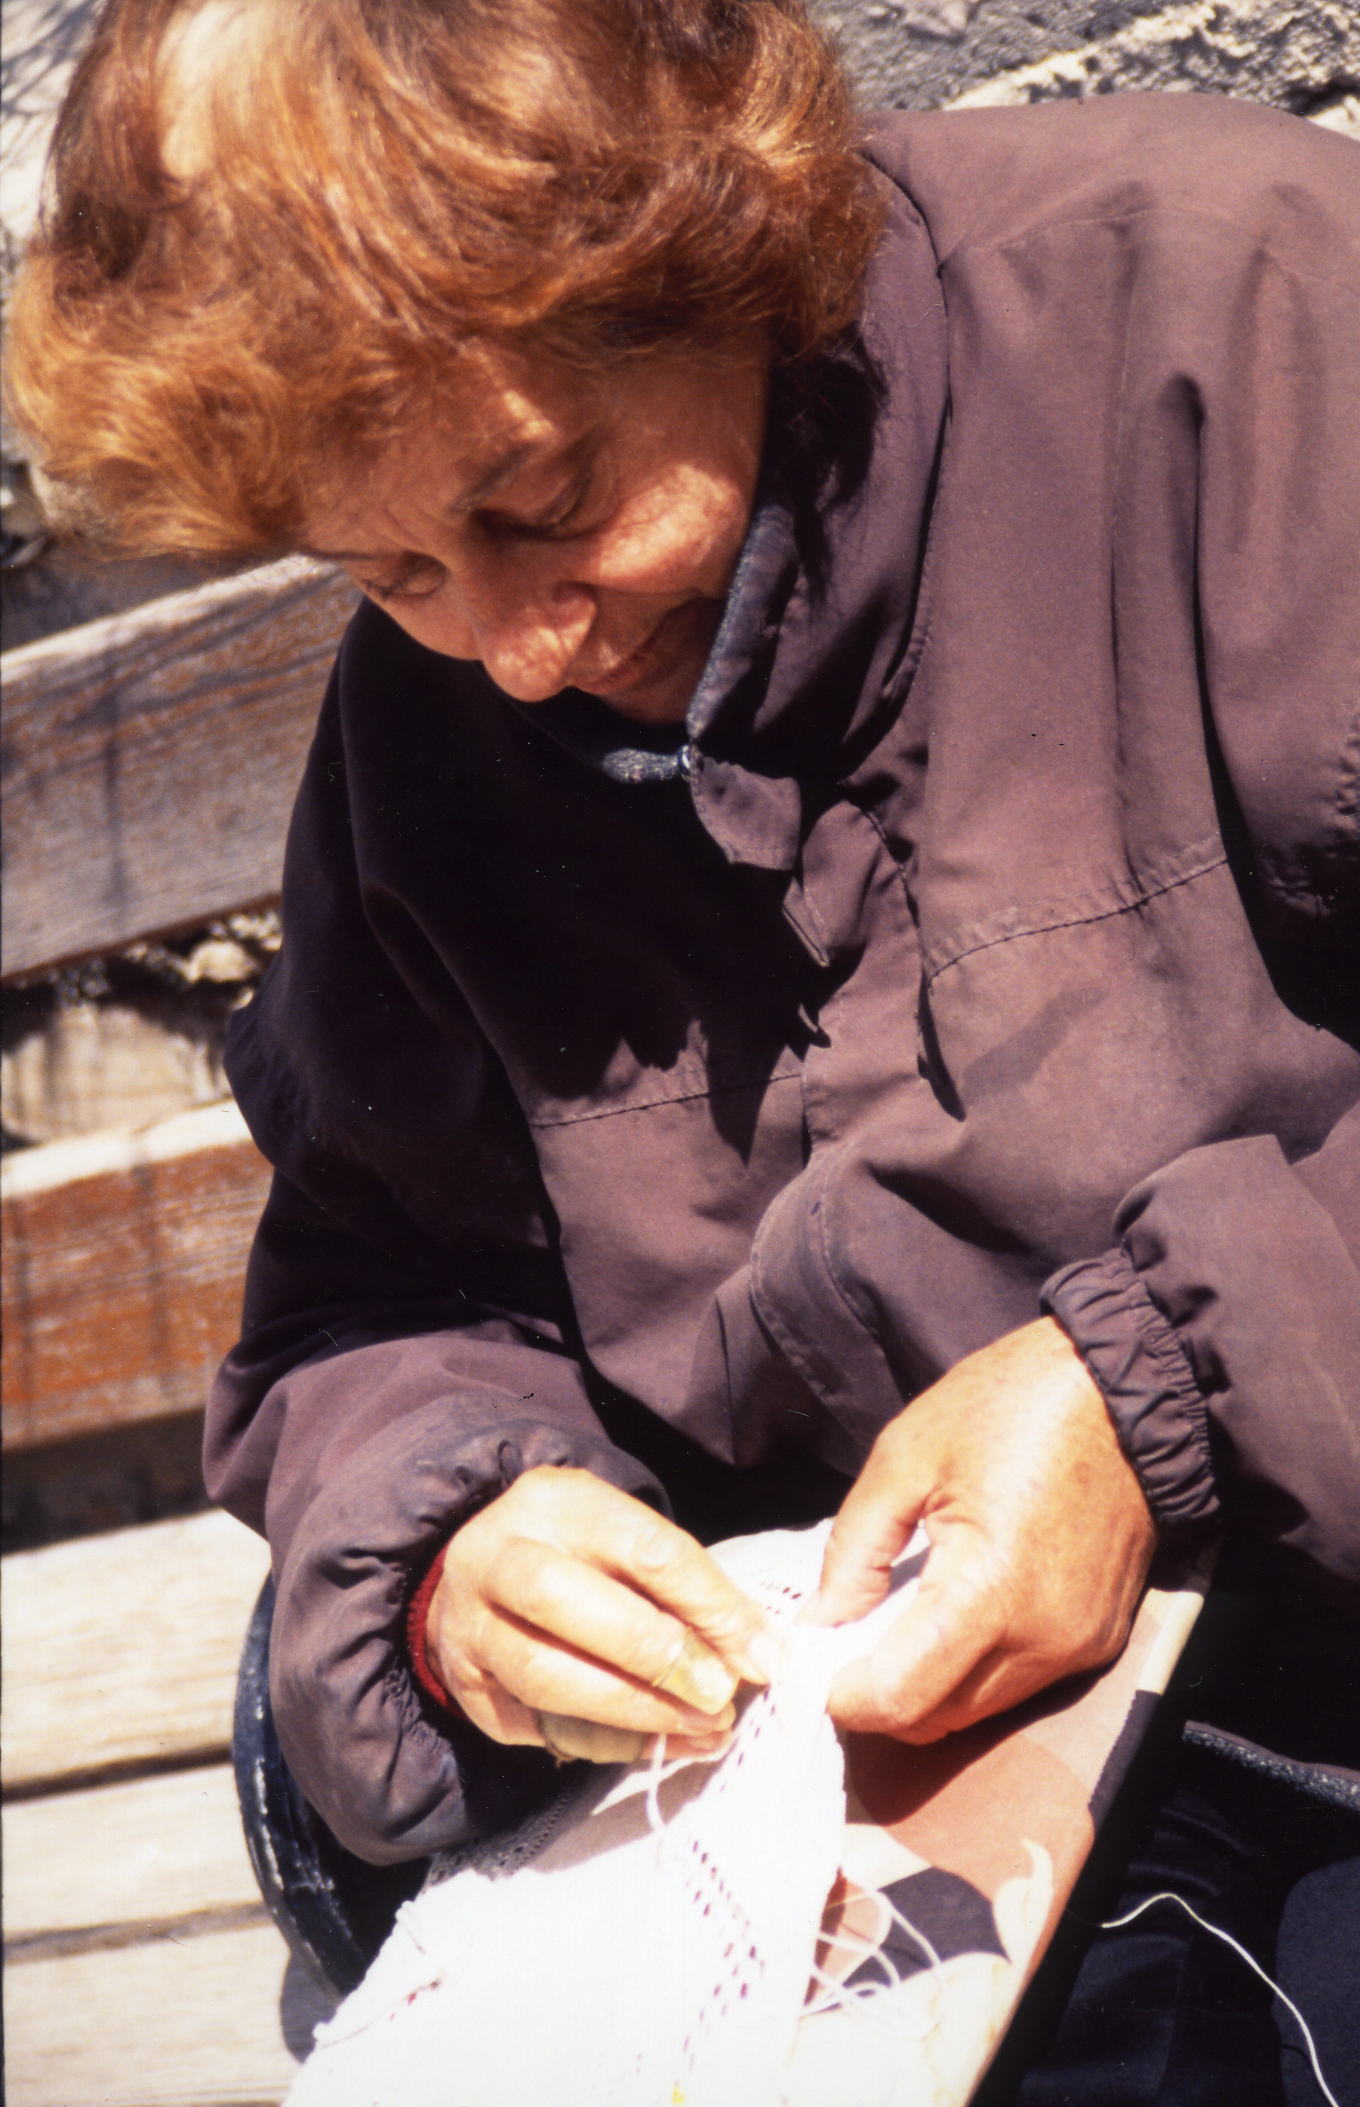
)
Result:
{"points": [[1041, 1541]]}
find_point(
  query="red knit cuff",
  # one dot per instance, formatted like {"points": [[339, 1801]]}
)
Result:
{"points": [[417, 1646]]}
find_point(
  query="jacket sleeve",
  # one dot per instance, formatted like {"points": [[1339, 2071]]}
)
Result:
{"points": [[1224, 1332], [1223, 1325], [358, 1422], [406, 1340]]}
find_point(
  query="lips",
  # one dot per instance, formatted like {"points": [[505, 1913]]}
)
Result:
{"points": [[654, 683], [628, 672]]}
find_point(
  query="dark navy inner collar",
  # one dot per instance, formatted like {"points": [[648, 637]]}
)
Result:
{"points": [[592, 732]]}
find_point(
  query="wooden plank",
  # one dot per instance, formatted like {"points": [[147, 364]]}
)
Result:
{"points": [[116, 1861], [121, 1650], [124, 1257], [194, 2022], [115, 1480], [150, 760]]}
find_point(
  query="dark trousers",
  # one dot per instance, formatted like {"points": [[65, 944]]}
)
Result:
{"points": [[1161, 2011]]}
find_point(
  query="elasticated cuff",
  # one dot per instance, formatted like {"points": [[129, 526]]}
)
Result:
{"points": [[1148, 1384]]}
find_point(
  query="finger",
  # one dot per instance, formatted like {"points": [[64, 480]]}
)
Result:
{"points": [[676, 1572], [584, 1740], [504, 1719], [583, 1515], [559, 1595], [951, 1625], [1009, 1674], [1000, 1681], [873, 1528], [497, 1714], [551, 1676]]}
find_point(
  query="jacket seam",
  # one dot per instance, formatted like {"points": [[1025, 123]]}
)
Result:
{"points": [[1048, 925], [841, 1287], [770, 1314], [900, 868], [675, 1097]]}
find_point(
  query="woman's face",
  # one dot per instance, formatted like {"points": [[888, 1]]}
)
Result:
{"points": [[565, 530]]}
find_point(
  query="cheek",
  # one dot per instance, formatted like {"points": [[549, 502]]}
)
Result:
{"points": [[435, 625], [682, 536]]}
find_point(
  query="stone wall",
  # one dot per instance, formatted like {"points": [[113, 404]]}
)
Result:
{"points": [[1301, 55]]}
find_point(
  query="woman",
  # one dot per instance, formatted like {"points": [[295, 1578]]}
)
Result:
{"points": [[822, 917]]}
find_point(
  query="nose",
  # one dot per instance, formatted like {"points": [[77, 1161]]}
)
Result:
{"points": [[528, 622]]}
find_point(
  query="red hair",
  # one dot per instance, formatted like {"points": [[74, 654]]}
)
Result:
{"points": [[377, 185]]}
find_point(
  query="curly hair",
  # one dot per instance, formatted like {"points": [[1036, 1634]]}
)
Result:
{"points": [[243, 281]]}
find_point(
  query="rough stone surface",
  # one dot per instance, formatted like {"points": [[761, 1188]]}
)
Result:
{"points": [[42, 41], [1300, 57], [926, 53], [919, 53]]}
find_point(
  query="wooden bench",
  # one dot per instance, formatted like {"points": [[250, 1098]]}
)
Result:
{"points": [[150, 764], [141, 1965]]}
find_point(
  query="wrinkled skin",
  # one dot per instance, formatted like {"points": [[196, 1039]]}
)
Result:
{"points": [[567, 1597], [1041, 1541]]}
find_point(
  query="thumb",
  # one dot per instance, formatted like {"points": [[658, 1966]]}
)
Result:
{"points": [[926, 1654], [874, 1525]]}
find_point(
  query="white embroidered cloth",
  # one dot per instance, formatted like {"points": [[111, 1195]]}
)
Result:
{"points": [[649, 1940]]}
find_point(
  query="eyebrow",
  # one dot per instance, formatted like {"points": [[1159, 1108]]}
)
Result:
{"points": [[500, 471]]}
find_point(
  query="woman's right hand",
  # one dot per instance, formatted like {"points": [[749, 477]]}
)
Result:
{"points": [[571, 1616]]}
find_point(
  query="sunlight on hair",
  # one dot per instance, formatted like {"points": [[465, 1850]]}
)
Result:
{"points": [[209, 54]]}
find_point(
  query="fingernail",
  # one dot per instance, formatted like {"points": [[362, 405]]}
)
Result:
{"points": [[585, 1740], [699, 1678], [706, 1744], [704, 1724]]}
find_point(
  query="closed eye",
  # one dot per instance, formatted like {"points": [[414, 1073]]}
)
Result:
{"points": [[417, 579], [573, 510]]}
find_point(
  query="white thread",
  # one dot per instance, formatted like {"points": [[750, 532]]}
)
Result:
{"points": [[863, 1949], [1165, 1895]]}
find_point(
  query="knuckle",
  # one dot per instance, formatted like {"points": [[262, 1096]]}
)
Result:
{"points": [[513, 1661], [531, 1491], [654, 1551], [729, 1624], [529, 1582], [657, 1649]]}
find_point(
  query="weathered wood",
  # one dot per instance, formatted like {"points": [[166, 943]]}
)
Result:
{"points": [[144, 1472], [194, 2022], [117, 1861], [124, 1257], [121, 1650], [150, 760]]}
